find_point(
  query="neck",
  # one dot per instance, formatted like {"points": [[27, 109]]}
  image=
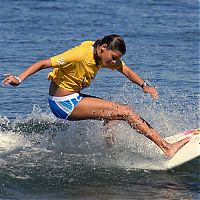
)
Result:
{"points": [[96, 56]]}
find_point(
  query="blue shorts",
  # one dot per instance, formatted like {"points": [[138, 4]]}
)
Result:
{"points": [[62, 107]]}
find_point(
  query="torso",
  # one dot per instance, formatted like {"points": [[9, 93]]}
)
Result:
{"points": [[74, 70], [55, 90]]}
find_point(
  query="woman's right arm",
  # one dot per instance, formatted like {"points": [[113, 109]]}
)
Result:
{"points": [[15, 81]]}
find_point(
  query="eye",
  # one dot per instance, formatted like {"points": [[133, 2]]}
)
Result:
{"points": [[114, 58]]}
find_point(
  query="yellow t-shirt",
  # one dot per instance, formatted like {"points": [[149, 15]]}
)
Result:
{"points": [[75, 68]]}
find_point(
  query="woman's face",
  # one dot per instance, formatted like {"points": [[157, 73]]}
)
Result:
{"points": [[109, 57]]}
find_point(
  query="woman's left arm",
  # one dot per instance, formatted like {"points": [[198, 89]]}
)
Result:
{"points": [[135, 78]]}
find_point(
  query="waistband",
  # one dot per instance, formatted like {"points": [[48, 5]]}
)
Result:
{"points": [[64, 98]]}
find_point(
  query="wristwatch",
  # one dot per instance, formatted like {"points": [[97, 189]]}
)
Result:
{"points": [[144, 85]]}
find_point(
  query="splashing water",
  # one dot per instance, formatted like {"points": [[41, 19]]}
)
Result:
{"points": [[40, 139]]}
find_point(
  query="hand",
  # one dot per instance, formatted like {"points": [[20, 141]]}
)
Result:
{"points": [[152, 91], [11, 79]]}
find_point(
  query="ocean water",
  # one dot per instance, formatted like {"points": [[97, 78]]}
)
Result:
{"points": [[42, 157]]}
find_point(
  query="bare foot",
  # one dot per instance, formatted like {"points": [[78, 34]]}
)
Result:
{"points": [[109, 141], [109, 138], [173, 148], [108, 133]]}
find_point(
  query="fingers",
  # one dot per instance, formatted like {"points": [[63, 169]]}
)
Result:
{"points": [[10, 79], [155, 95], [8, 75], [7, 79], [152, 91]]}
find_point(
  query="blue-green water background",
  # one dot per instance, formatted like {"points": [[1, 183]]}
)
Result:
{"points": [[44, 158]]}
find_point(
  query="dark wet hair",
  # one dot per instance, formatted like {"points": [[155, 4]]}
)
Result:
{"points": [[114, 42]]}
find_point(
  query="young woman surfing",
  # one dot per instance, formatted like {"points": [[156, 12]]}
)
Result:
{"points": [[75, 69]]}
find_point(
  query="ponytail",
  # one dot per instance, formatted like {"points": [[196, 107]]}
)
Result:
{"points": [[98, 42], [114, 42]]}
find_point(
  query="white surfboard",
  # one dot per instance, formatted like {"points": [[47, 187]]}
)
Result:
{"points": [[188, 152]]}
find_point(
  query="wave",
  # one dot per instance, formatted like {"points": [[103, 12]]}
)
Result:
{"points": [[41, 144]]}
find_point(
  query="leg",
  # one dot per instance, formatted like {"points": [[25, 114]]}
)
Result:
{"points": [[96, 108], [108, 132]]}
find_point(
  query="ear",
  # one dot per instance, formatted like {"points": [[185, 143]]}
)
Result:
{"points": [[104, 47]]}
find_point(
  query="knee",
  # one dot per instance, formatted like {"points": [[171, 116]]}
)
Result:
{"points": [[127, 110], [128, 113]]}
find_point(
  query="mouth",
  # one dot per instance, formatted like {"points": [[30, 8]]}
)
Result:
{"points": [[107, 63]]}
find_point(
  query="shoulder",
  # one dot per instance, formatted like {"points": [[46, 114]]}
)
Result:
{"points": [[84, 47], [80, 50], [75, 54], [87, 43]]}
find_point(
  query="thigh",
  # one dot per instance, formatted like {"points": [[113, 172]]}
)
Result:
{"points": [[96, 108]]}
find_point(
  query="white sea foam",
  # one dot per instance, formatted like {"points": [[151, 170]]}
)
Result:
{"points": [[41, 130]]}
